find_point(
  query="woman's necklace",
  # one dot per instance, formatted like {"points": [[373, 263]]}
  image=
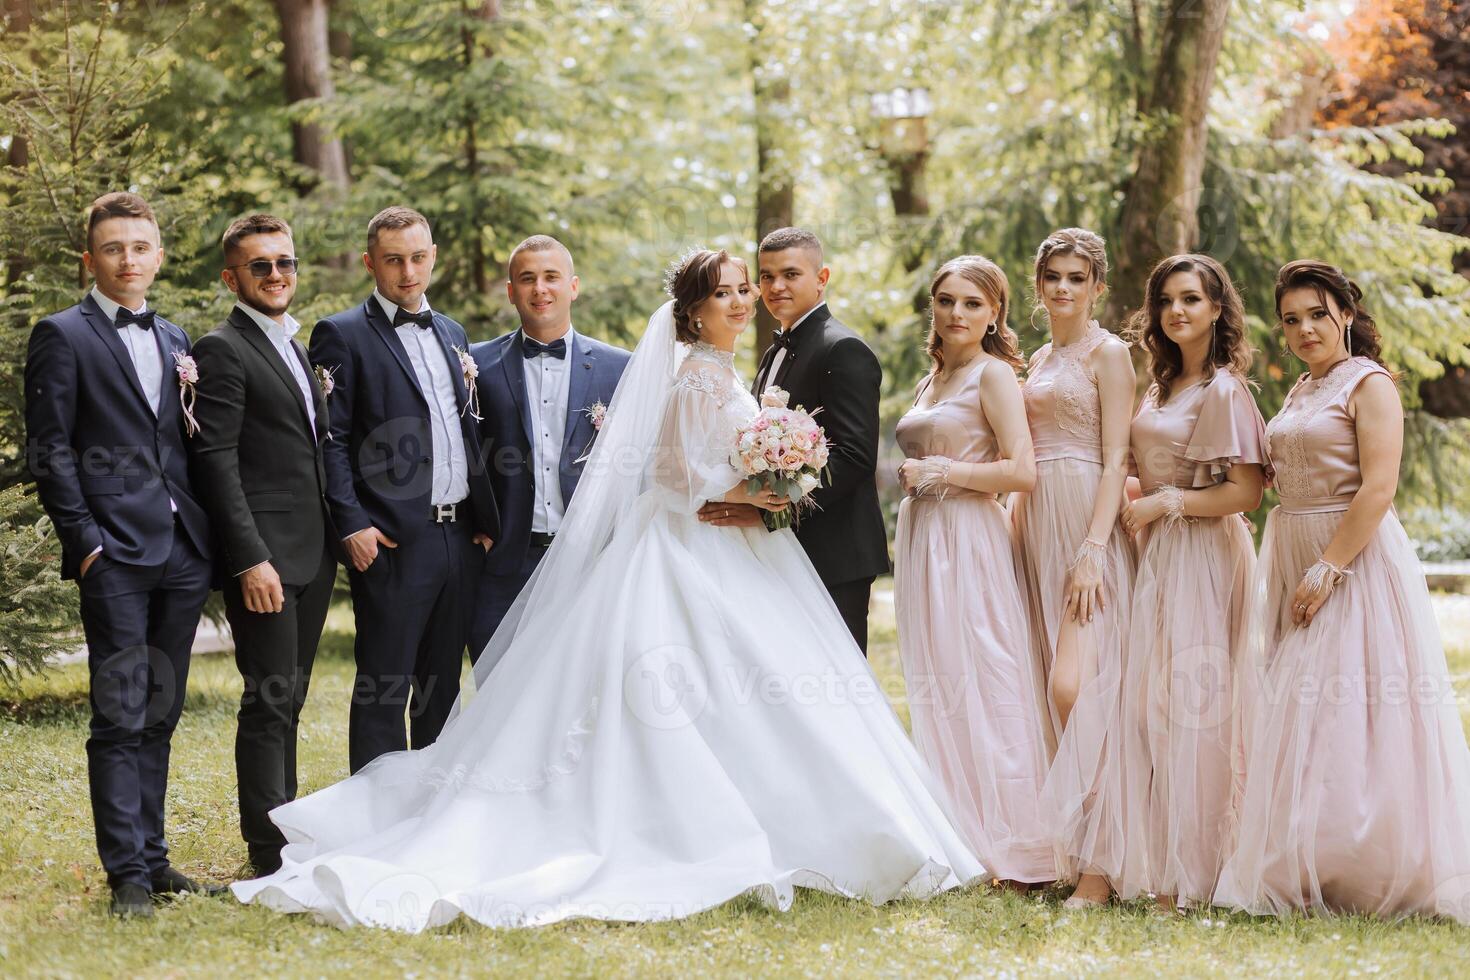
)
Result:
{"points": [[945, 376]]}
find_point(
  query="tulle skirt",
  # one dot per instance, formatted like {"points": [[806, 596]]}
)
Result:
{"points": [[1357, 775], [1187, 631], [1082, 798], [695, 723], [975, 690]]}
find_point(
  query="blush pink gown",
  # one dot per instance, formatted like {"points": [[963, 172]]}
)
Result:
{"points": [[1187, 630], [976, 699], [1081, 801], [1357, 775]]}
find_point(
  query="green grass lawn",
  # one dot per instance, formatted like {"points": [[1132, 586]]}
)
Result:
{"points": [[53, 898]]}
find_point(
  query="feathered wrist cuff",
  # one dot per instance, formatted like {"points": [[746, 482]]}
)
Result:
{"points": [[935, 480], [1091, 558], [1172, 499], [1324, 576]]}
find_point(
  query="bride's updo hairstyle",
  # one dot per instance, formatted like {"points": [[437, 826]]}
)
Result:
{"points": [[1085, 244], [691, 281], [1328, 280]]}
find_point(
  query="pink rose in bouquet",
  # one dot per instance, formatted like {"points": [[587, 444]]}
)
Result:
{"points": [[784, 450]]}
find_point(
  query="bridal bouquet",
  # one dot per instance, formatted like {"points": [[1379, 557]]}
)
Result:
{"points": [[784, 450]]}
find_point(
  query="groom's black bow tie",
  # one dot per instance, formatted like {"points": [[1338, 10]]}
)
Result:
{"points": [[127, 318], [534, 348], [782, 339], [423, 320]]}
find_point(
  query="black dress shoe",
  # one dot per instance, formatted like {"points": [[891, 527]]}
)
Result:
{"points": [[130, 901], [171, 881]]}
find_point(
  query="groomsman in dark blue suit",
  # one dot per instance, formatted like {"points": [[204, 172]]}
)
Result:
{"points": [[105, 437], [408, 489], [539, 387]]}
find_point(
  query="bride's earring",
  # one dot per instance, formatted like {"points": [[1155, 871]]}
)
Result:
{"points": [[698, 325]]}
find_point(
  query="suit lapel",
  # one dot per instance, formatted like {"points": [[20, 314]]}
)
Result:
{"points": [[514, 366], [761, 368], [168, 398], [389, 336], [318, 400], [456, 371], [581, 370], [108, 333], [256, 338], [802, 341]]}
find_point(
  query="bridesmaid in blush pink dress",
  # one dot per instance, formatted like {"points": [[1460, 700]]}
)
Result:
{"points": [[1357, 775], [1076, 560], [1198, 444], [974, 688]]}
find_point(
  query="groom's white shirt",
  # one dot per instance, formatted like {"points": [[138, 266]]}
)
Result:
{"points": [[781, 354], [451, 469], [546, 395]]}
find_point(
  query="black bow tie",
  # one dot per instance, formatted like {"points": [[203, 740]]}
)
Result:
{"points": [[126, 318], [782, 339], [533, 348], [423, 320]]}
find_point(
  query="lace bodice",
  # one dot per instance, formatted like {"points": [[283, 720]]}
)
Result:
{"points": [[1313, 440], [1062, 401], [706, 410]]}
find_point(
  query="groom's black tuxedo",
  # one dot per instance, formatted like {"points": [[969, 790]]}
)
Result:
{"points": [[828, 367], [112, 473], [259, 464], [414, 604]]}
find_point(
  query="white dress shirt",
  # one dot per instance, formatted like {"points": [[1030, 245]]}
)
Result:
{"points": [[142, 349], [546, 394], [770, 375], [426, 355], [280, 335]]}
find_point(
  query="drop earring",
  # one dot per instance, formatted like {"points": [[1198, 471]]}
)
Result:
{"points": [[698, 325]]}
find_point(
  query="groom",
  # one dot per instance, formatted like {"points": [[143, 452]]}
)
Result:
{"points": [[538, 389], [258, 457], [105, 434], [408, 489], [824, 365]]}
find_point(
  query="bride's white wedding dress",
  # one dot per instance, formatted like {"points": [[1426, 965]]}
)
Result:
{"points": [[676, 716]]}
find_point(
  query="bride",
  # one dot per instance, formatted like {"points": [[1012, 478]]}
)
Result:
{"points": [[675, 715]]}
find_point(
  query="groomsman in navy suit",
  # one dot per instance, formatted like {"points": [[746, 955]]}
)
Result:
{"points": [[539, 386], [105, 435], [408, 489]]}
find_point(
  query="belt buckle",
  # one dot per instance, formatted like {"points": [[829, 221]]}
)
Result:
{"points": [[445, 512]]}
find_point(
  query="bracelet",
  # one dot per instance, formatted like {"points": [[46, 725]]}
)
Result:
{"points": [[1091, 556], [1324, 575], [938, 480], [1172, 498]]}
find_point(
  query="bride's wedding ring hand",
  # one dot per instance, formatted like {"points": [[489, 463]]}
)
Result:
{"points": [[722, 513]]}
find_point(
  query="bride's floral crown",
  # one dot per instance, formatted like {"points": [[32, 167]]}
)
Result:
{"points": [[677, 266]]}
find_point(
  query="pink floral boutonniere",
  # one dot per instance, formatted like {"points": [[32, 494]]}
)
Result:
{"points": [[597, 414], [188, 373], [325, 378], [471, 371]]}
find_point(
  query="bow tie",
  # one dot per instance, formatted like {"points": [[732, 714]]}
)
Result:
{"points": [[782, 339], [423, 320], [126, 318], [533, 348]]}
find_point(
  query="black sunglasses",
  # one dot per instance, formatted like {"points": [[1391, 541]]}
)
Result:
{"points": [[261, 268]]}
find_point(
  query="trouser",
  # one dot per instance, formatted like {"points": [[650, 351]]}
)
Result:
{"points": [[274, 653], [496, 595], [413, 606], [852, 602], [139, 622]]}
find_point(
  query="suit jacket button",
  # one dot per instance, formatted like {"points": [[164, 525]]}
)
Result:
{"points": [[424, 460]]}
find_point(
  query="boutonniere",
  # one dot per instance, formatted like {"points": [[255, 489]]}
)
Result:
{"points": [[325, 378], [471, 372], [188, 373], [597, 414]]}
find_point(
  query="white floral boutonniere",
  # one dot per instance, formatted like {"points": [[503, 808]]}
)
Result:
{"points": [[188, 373], [325, 377], [597, 414], [471, 371]]}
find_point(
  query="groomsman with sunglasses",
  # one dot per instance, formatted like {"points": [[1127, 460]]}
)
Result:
{"points": [[258, 458], [408, 488], [105, 434]]}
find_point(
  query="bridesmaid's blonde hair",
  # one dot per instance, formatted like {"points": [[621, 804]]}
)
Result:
{"points": [[1086, 244], [991, 281]]}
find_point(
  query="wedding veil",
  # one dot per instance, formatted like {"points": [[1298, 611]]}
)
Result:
{"points": [[614, 478]]}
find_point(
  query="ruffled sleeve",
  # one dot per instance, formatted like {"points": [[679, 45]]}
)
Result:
{"points": [[1229, 431], [691, 460]]}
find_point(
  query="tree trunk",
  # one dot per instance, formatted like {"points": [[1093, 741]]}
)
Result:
{"points": [[775, 195], [486, 11], [18, 155], [1160, 208], [308, 66]]}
